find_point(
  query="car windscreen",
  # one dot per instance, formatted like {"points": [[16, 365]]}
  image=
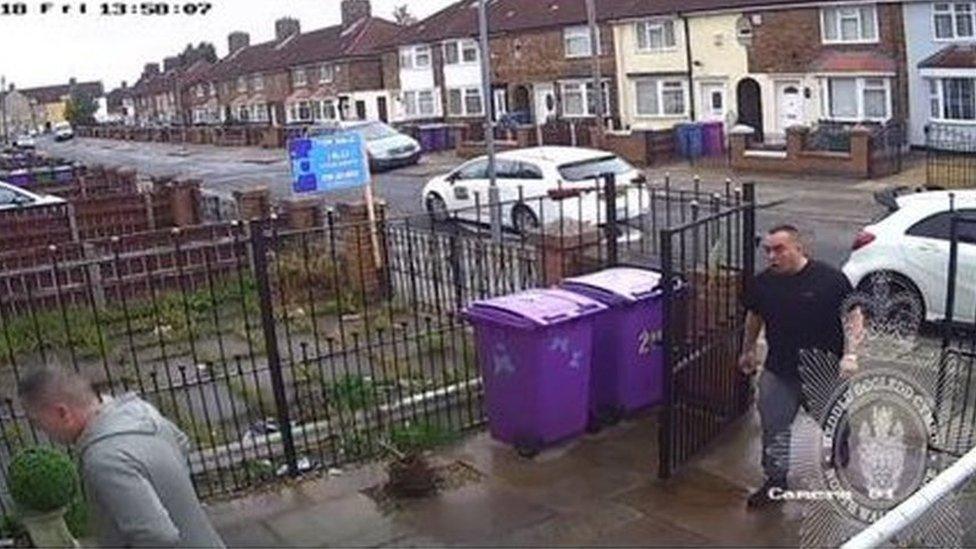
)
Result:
{"points": [[375, 131], [589, 169]]}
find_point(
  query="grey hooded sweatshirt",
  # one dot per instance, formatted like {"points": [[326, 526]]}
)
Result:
{"points": [[133, 463]]}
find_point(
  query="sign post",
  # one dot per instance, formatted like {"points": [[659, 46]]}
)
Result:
{"points": [[332, 163]]}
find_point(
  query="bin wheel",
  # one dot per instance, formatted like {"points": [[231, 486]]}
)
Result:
{"points": [[612, 415], [594, 425], [528, 449]]}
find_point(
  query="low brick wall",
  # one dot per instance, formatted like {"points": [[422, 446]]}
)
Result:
{"points": [[797, 158]]}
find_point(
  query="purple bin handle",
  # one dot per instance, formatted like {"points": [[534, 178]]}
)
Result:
{"points": [[486, 312]]}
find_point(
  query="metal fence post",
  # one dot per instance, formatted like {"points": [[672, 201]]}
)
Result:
{"points": [[666, 426], [749, 231], [259, 248], [610, 192]]}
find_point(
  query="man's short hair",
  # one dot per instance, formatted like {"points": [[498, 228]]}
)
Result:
{"points": [[785, 228], [48, 385]]}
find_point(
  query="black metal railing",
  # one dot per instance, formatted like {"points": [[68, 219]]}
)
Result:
{"points": [[283, 350], [950, 156]]}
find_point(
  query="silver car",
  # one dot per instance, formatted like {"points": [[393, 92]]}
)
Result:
{"points": [[12, 197], [387, 148]]}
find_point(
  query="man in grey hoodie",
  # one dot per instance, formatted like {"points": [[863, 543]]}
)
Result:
{"points": [[132, 461]]}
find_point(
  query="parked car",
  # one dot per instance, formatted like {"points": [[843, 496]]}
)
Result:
{"points": [[387, 148], [12, 197], [538, 185], [906, 252], [63, 131], [25, 141]]}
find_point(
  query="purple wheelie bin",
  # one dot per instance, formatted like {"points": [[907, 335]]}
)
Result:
{"points": [[713, 138], [20, 178], [534, 351], [627, 355]]}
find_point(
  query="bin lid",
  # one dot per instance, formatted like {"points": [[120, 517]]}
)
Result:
{"points": [[534, 308], [624, 283]]}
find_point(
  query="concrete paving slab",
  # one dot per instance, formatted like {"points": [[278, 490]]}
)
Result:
{"points": [[344, 522]]}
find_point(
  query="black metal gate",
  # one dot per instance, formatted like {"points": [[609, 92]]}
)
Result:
{"points": [[705, 265], [956, 385], [950, 156]]}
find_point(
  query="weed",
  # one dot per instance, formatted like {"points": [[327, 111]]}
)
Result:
{"points": [[418, 438]]}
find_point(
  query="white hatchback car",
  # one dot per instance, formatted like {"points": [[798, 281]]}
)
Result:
{"points": [[538, 186], [13, 197], [908, 251]]}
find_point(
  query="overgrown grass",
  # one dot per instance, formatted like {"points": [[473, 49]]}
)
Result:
{"points": [[421, 437]]}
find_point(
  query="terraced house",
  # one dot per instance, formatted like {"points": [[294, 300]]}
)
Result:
{"points": [[540, 61]]}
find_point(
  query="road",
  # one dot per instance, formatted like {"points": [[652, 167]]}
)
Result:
{"points": [[830, 211]]}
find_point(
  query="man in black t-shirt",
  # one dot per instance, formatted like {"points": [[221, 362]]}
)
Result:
{"points": [[800, 303]]}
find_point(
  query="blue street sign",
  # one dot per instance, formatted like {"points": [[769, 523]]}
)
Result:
{"points": [[328, 163]]}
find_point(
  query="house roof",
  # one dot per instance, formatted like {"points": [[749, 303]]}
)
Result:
{"points": [[54, 94], [625, 9], [854, 62], [957, 56]]}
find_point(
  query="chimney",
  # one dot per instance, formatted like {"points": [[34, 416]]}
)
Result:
{"points": [[238, 40], [125, 84], [72, 81], [171, 63], [151, 69], [354, 10], [285, 27]]}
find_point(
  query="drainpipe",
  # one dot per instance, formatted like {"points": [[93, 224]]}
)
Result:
{"points": [[689, 62]]}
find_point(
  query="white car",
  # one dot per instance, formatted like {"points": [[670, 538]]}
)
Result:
{"points": [[63, 131], [387, 148], [538, 186], [12, 197], [908, 253], [25, 141]]}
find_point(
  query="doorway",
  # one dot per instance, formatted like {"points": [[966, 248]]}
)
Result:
{"points": [[713, 101], [382, 109], [545, 102], [749, 103], [789, 105]]}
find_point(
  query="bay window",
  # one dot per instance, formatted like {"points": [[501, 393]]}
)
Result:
{"points": [[952, 21], [842, 24], [464, 102], [953, 99], [852, 99], [655, 35], [660, 97], [579, 98], [577, 43]]}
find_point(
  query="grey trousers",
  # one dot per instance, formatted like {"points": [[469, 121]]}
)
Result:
{"points": [[780, 399]]}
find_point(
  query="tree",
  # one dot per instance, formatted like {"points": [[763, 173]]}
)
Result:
{"points": [[402, 16], [80, 110]]}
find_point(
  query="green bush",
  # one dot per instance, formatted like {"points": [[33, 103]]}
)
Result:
{"points": [[42, 479], [77, 518]]}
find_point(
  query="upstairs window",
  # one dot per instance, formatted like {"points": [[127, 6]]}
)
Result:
{"points": [[327, 74], [655, 36], [241, 84], [577, 43], [258, 83], [415, 57], [847, 24], [460, 51], [953, 21], [299, 78]]}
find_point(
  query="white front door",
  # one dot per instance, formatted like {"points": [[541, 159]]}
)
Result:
{"points": [[713, 101], [545, 102], [789, 102]]}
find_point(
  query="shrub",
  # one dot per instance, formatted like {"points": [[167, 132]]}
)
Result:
{"points": [[42, 479]]}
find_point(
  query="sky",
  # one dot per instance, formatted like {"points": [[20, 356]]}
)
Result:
{"points": [[44, 49]]}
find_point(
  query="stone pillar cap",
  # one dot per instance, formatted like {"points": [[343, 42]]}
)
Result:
{"points": [[742, 129]]}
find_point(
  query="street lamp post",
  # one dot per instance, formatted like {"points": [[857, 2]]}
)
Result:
{"points": [[595, 59], [494, 199]]}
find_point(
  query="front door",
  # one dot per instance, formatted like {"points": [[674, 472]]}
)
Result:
{"points": [[381, 108], [713, 101], [545, 102], [360, 110], [789, 102]]}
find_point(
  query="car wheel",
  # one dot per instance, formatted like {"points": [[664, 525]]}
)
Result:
{"points": [[437, 208], [524, 219], [892, 303]]}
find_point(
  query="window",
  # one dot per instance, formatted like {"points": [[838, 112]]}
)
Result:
{"points": [[200, 91], [500, 102], [853, 99], [953, 21], [327, 73], [299, 78], [460, 51], [579, 99], [329, 110], [258, 83], [939, 226], [589, 169], [304, 112], [475, 170], [953, 99], [419, 104], [464, 102], [660, 97], [316, 110], [242, 113], [655, 35], [849, 24], [415, 57], [577, 41], [241, 84]]}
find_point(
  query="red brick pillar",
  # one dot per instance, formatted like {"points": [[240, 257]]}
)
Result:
{"points": [[358, 256], [739, 139], [253, 203], [185, 202], [303, 213], [566, 249], [796, 141], [861, 151]]}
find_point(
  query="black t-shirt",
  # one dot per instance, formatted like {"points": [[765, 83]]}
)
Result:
{"points": [[801, 311]]}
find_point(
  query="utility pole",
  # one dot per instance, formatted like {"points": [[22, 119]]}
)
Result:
{"points": [[3, 107], [494, 199], [595, 59]]}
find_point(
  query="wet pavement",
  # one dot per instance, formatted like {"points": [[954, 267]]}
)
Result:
{"points": [[598, 491]]}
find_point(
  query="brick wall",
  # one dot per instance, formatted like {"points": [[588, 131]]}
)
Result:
{"points": [[363, 75], [391, 70], [539, 56]]}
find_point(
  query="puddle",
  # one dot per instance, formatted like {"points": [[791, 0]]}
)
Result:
{"points": [[449, 476]]}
